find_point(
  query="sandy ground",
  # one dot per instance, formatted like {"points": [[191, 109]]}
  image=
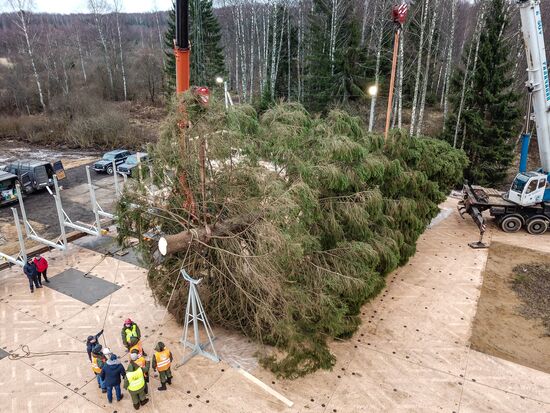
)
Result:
{"points": [[499, 329]]}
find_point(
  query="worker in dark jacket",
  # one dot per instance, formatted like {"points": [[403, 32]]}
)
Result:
{"points": [[98, 361], [42, 268], [112, 375], [91, 342], [32, 274], [162, 360]]}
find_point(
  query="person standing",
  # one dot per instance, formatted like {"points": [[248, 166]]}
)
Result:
{"points": [[98, 361], [112, 374], [161, 363], [142, 362], [135, 382], [32, 274], [131, 336], [42, 268], [91, 342]]}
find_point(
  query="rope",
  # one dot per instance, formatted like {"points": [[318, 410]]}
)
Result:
{"points": [[28, 354], [109, 304]]}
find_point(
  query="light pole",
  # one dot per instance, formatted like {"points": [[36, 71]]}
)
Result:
{"points": [[373, 91], [219, 81]]}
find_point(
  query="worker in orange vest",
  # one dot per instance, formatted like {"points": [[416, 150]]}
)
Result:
{"points": [[142, 362], [98, 360], [162, 361]]}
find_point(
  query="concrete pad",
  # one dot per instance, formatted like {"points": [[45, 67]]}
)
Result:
{"points": [[13, 282], [85, 288], [480, 399], [24, 389], [77, 403], [508, 376], [65, 359], [17, 328]]}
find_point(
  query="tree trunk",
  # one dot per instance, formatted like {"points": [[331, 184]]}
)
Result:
{"points": [[424, 18], [426, 74], [447, 78], [81, 59], [124, 83]]}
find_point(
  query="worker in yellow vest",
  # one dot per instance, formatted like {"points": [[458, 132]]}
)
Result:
{"points": [[136, 385], [98, 360], [142, 362], [161, 363], [131, 336]]}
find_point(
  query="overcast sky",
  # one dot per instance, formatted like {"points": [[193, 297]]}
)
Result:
{"points": [[79, 6]]}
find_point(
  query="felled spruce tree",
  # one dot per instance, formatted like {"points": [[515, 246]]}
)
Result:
{"points": [[292, 221]]}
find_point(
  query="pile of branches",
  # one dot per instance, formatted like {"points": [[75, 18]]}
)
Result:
{"points": [[291, 220]]}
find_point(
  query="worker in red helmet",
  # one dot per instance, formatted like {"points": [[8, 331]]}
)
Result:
{"points": [[131, 337]]}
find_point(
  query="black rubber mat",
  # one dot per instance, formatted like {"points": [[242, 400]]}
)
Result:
{"points": [[109, 245], [86, 288]]}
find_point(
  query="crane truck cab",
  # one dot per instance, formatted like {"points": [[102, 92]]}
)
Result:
{"points": [[529, 188]]}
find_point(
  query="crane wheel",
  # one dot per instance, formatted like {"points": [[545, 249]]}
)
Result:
{"points": [[537, 226], [511, 223]]}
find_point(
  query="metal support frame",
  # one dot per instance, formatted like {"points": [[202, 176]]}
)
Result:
{"points": [[21, 258], [96, 208], [194, 314], [61, 242], [64, 219]]}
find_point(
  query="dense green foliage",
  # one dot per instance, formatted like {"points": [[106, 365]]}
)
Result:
{"points": [[207, 59], [489, 122], [307, 215]]}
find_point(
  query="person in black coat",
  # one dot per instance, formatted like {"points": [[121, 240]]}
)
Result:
{"points": [[112, 374], [32, 274], [91, 342]]}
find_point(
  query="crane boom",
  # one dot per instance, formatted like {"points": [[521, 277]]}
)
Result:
{"points": [[537, 69]]}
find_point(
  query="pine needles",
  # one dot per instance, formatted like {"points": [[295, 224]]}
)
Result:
{"points": [[306, 216]]}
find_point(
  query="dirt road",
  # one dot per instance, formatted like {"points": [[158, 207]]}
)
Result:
{"points": [[41, 209]]}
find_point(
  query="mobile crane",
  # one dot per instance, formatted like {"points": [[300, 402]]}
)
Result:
{"points": [[527, 203]]}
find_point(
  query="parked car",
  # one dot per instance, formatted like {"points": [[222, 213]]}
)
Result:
{"points": [[33, 175], [132, 162], [8, 193], [105, 164]]}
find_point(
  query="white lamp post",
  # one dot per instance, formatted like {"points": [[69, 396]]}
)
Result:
{"points": [[373, 91], [219, 81]]}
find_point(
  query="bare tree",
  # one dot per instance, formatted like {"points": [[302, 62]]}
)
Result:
{"points": [[22, 9], [117, 7], [97, 8]]}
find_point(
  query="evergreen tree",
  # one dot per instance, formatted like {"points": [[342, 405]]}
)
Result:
{"points": [[344, 76], [490, 115], [207, 59], [170, 68]]}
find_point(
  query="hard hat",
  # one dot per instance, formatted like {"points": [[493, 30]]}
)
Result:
{"points": [[113, 357], [128, 321], [106, 351]]}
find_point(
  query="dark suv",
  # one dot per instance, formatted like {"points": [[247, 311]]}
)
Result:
{"points": [[105, 164], [132, 162]]}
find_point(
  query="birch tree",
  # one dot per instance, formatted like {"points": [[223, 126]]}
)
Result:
{"points": [[426, 74], [117, 7], [97, 8], [22, 10], [424, 19]]}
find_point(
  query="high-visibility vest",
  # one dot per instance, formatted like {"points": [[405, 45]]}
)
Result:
{"points": [[131, 333], [163, 359], [137, 347], [95, 367], [141, 362], [136, 381]]}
